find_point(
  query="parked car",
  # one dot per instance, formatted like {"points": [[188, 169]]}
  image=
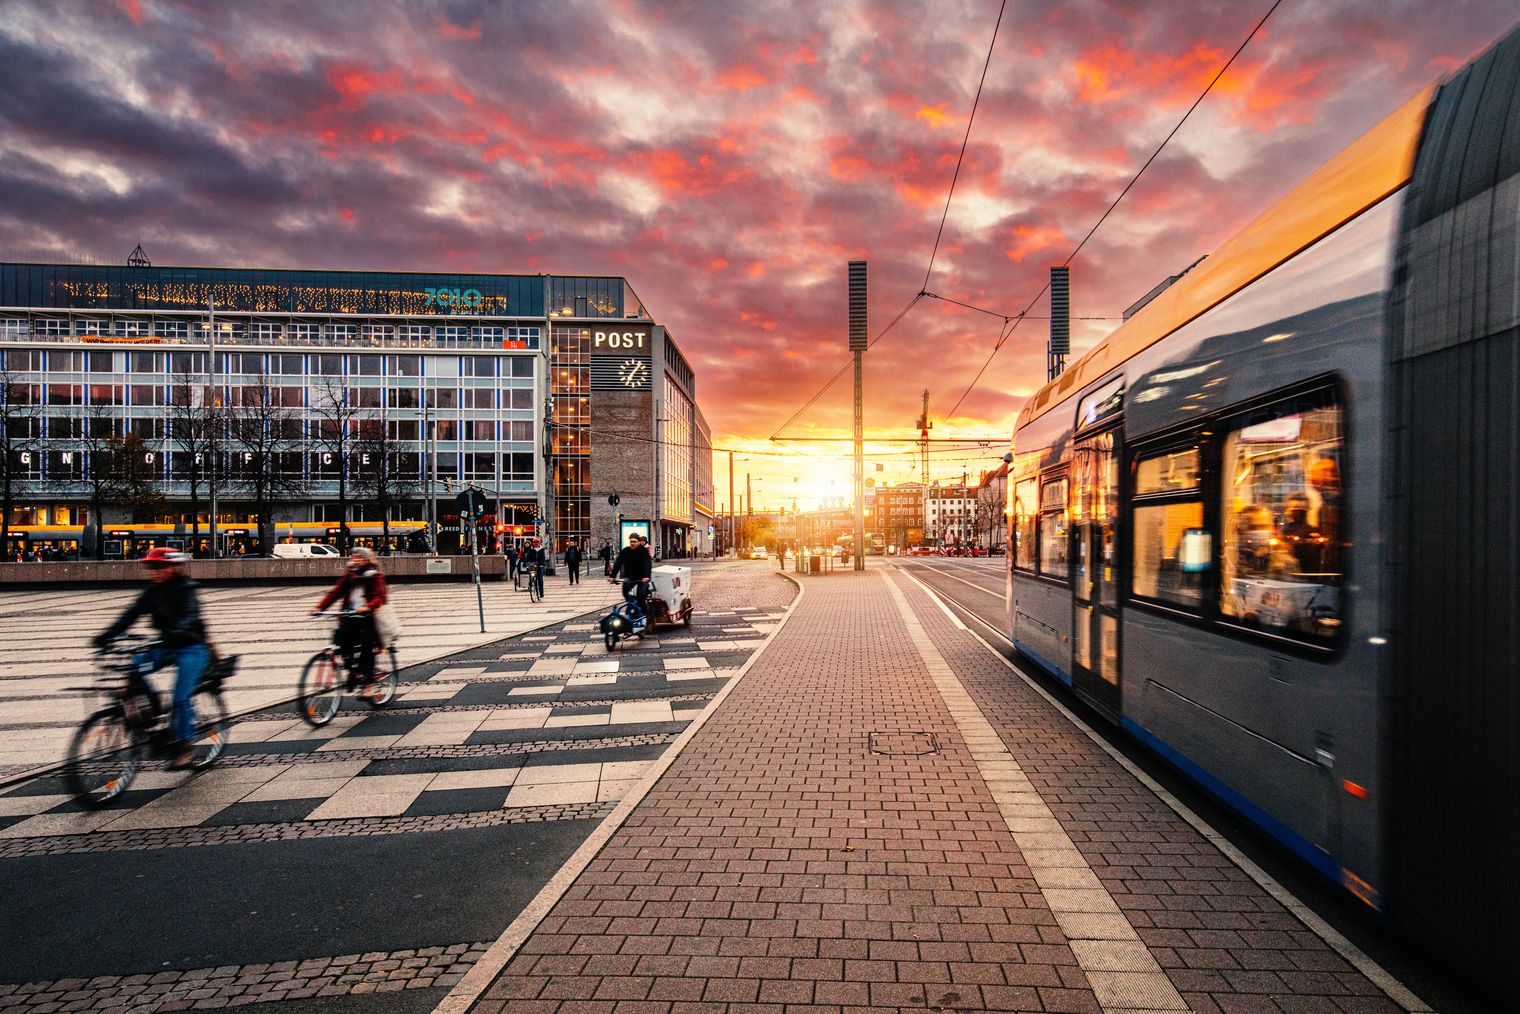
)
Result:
{"points": [[303, 551]]}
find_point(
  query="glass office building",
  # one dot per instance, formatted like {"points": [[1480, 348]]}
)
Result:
{"points": [[339, 398]]}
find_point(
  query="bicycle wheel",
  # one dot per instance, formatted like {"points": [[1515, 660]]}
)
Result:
{"points": [[611, 639], [105, 743], [321, 689], [387, 678], [535, 594], [211, 728]]}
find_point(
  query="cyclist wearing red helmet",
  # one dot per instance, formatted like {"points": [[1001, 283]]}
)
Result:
{"points": [[172, 606]]}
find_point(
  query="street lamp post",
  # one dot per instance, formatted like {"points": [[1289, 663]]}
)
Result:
{"points": [[214, 418]]}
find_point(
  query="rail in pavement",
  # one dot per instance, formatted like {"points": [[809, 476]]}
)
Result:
{"points": [[881, 814]]}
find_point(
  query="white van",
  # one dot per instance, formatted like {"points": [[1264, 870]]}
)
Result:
{"points": [[303, 550]]}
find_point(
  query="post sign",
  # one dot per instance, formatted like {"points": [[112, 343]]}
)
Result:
{"points": [[632, 342]]}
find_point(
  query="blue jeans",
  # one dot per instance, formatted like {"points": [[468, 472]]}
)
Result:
{"points": [[189, 662]]}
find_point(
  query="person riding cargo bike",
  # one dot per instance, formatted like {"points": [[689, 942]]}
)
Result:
{"points": [[636, 566], [171, 604]]}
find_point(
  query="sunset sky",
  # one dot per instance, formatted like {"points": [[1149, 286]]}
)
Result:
{"points": [[728, 158]]}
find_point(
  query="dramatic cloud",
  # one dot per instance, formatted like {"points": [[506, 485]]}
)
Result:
{"points": [[728, 158]]}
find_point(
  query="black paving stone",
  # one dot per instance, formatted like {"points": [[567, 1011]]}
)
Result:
{"points": [[284, 746], [382, 724], [593, 709], [273, 811], [423, 765], [486, 693], [458, 801], [573, 734]]}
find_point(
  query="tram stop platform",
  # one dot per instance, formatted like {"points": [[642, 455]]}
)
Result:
{"points": [[882, 813]]}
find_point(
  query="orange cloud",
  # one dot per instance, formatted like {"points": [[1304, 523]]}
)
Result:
{"points": [[934, 114], [1030, 239], [742, 77]]}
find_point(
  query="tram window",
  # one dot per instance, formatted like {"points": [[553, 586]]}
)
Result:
{"points": [[1024, 512], [1282, 511], [1053, 528], [1171, 553], [1175, 472]]}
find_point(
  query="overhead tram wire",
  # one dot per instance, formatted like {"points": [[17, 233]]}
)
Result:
{"points": [[964, 142], [1104, 217], [843, 369], [1002, 8]]}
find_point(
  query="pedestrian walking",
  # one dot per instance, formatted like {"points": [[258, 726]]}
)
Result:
{"points": [[511, 563], [573, 561], [606, 555], [781, 555]]}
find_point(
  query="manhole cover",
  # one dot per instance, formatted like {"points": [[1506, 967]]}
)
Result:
{"points": [[904, 744]]}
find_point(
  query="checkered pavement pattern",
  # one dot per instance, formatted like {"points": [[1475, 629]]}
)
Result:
{"points": [[542, 727], [844, 834], [548, 686]]}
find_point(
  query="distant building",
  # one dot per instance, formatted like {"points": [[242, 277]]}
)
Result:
{"points": [[547, 392]]}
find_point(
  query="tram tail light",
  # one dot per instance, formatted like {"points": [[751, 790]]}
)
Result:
{"points": [[1356, 790]]}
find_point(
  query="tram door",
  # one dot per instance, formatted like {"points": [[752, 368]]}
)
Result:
{"points": [[1095, 569]]}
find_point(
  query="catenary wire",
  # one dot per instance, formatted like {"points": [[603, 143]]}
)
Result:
{"points": [[1127, 187], [964, 142]]}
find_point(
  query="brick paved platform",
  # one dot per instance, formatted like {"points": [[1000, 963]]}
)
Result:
{"points": [[882, 815]]}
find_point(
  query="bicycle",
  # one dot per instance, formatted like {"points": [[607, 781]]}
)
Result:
{"points": [[325, 679], [535, 583], [112, 744]]}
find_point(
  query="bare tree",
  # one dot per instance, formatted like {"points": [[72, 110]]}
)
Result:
{"points": [[101, 441], [265, 440], [195, 428], [19, 421], [335, 418], [384, 473]]}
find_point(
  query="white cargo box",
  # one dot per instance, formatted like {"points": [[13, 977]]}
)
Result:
{"points": [[672, 584]]}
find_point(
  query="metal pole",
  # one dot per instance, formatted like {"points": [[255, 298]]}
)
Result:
{"points": [[749, 508], [427, 473], [859, 336], [480, 602], [432, 436], [214, 419], [860, 463], [733, 546]]}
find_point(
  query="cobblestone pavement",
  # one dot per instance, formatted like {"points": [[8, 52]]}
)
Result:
{"points": [[541, 731], [47, 649], [883, 816]]}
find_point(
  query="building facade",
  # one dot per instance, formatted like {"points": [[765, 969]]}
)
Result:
{"points": [[326, 405]]}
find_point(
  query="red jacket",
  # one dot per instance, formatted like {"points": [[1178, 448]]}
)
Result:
{"points": [[374, 589]]}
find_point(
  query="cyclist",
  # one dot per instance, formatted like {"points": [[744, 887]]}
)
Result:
{"points": [[171, 604], [533, 563], [361, 589], [636, 566]]}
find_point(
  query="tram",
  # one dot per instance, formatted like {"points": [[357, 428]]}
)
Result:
{"points": [[133, 540], [1268, 525]]}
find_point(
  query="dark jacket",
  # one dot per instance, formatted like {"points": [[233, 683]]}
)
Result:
{"points": [[532, 558], [573, 556], [633, 564], [374, 589], [172, 607]]}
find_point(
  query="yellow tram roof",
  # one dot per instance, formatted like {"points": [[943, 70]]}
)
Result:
{"points": [[1372, 167]]}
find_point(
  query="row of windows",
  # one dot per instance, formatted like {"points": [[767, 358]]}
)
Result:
{"points": [[318, 398], [327, 364], [78, 427], [1245, 525], [318, 466]]}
